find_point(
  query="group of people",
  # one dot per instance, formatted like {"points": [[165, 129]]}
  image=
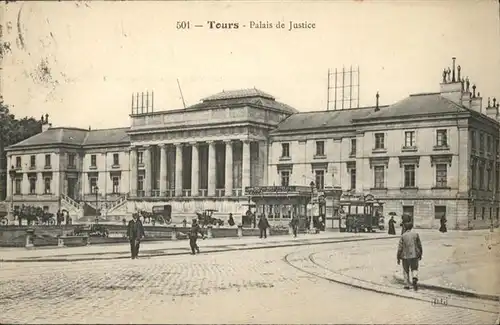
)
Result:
{"points": [[407, 218]]}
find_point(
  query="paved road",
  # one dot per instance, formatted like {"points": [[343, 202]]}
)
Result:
{"points": [[231, 287]]}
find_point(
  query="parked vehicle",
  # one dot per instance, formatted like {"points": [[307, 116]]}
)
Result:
{"points": [[94, 230], [360, 214]]}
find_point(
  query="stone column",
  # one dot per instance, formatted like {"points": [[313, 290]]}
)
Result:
{"points": [[211, 168], [39, 183], [163, 169], [133, 171], [178, 169], [147, 170], [245, 166], [229, 168], [195, 170]]}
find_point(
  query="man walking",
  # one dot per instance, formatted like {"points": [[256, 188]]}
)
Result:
{"points": [[410, 251], [135, 232], [263, 225], [193, 236], [405, 219], [295, 225]]}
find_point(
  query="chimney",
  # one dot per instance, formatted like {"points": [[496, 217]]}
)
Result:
{"points": [[492, 110], [45, 123], [476, 101], [451, 87], [376, 103]]}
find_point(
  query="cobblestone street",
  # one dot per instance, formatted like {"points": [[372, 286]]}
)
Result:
{"points": [[255, 286]]}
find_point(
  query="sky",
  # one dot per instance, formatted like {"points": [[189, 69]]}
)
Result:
{"points": [[81, 61]]}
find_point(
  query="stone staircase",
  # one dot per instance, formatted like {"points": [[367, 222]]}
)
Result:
{"points": [[74, 208], [114, 207]]}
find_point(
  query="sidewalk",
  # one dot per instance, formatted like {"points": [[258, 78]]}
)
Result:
{"points": [[149, 249], [467, 266]]}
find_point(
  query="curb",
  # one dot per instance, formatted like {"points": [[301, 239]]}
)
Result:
{"points": [[244, 247], [464, 293]]}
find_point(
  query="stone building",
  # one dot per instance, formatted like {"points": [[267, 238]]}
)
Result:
{"points": [[429, 154]]}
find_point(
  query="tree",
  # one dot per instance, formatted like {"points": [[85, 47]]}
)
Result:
{"points": [[12, 131]]}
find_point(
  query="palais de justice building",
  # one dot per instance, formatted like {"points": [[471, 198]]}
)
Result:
{"points": [[429, 154]]}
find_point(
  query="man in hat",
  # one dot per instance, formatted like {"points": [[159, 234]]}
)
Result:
{"points": [[135, 232], [405, 219], [193, 236], [410, 251]]}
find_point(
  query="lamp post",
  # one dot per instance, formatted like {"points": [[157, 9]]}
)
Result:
{"points": [[12, 174], [96, 189], [311, 224]]}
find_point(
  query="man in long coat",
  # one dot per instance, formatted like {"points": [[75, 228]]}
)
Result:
{"points": [[135, 232], [263, 225], [406, 219], [410, 251], [193, 236]]}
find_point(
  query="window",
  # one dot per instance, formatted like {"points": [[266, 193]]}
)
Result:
{"points": [[18, 186], [489, 144], [473, 174], [439, 211], [498, 180], [18, 162], [441, 175], [93, 161], [409, 175], [379, 172], [140, 183], [474, 213], [441, 138], [33, 162], [408, 209], [285, 150], [379, 141], [352, 173], [116, 159], [498, 213], [320, 148], [491, 213], [320, 179], [481, 142], [488, 177], [71, 160], [285, 178], [472, 139], [140, 157], [93, 185], [498, 147], [410, 139], [47, 181], [32, 185], [481, 177], [483, 212], [353, 147], [47, 161], [116, 184]]}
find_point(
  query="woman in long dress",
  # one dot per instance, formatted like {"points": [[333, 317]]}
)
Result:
{"points": [[392, 229], [443, 224]]}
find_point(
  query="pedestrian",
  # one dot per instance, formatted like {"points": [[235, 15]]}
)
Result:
{"points": [[405, 220], [443, 224], [193, 236], [410, 251], [135, 233], [392, 228], [231, 220], [263, 225], [294, 223]]}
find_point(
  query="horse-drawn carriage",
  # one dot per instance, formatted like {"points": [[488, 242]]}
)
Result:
{"points": [[161, 214], [205, 218]]}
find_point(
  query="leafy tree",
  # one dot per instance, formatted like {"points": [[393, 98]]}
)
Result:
{"points": [[13, 130]]}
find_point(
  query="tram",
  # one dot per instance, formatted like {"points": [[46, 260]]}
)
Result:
{"points": [[360, 214]]}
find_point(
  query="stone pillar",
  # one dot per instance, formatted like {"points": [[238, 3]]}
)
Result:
{"points": [[147, 170], [40, 184], [229, 168], [178, 169], [163, 169], [212, 168], [245, 166], [133, 171], [195, 170]]}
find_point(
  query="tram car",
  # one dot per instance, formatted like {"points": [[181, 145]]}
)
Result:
{"points": [[359, 215]]}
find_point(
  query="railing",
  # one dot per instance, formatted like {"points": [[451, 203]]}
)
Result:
{"points": [[140, 193], [118, 202], [219, 192], [170, 193], [155, 193], [186, 192], [203, 192], [70, 201], [237, 192]]}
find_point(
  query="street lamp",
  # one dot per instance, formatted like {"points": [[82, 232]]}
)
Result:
{"points": [[12, 174], [96, 189], [311, 225]]}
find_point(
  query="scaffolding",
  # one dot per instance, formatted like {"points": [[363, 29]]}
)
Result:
{"points": [[142, 103], [345, 88]]}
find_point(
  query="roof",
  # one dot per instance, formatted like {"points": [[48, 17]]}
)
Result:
{"points": [[75, 137], [418, 104], [242, 97], [322, 119]]}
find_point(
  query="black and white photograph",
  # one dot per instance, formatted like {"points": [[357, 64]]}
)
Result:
{"points": [[250, 162]]}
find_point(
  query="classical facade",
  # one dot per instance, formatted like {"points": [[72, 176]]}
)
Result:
{"points": [[428, 155]]}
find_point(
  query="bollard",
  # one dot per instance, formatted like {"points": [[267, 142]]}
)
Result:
{"points": [[209, 232], [268, 232], [290, 230], [86, 240], [60, 242], [174, 232], [240, 231], [29, 237]]}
